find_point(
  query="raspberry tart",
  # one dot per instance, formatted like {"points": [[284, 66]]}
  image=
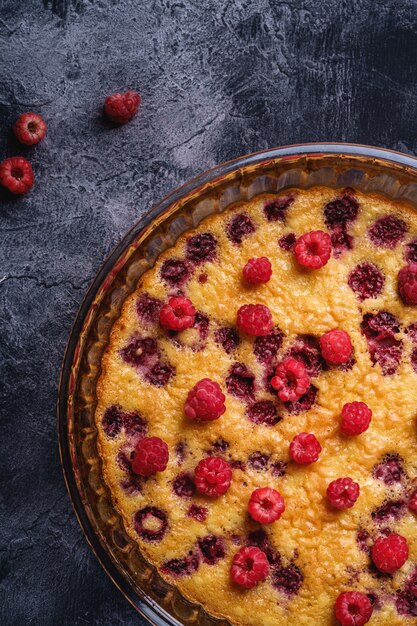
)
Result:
{"points": [[257, 411]]}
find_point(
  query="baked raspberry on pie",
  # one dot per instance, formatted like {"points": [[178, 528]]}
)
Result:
{"points": [[257, 412]]}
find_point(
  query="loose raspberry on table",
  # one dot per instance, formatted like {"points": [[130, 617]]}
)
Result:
{"points": [[305, 448], [205, 401], [29, 128], [366, 280], [353, 608], [151, 456], [290, 380], [257, 271], [249, 567], [212, 476], [177, 314], [390, 553], [412, 503], [356, 417], [407, 284], [342, 493], [254, 320], [266, 505], [16, 174], [121, 107], [336, 346], [313, 250]]}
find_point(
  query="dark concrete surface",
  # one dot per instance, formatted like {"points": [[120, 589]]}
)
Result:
{"points": [[219, 78]]}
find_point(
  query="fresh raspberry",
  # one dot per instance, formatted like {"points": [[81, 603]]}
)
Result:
{"points": [[356, 417], [205, 401], [16, 175], [353, 608], [390, 553], [290, 380], [257, 271], [29, 128], [255, 320], [305, 448], [121, 107], [177, 314], [412, 503], [313, 249], [407, 284], [343, 493], [266, 505], [249, 567], [212, 476], [151, 456], [336, 346]]}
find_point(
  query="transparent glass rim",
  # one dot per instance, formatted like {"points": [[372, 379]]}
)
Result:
{"points": [[154, 613]]}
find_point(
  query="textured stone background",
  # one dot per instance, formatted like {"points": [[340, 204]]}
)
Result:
{"points": [[219, 78]]}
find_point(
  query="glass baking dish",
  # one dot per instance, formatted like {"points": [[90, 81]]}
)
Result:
{"points": [[368, 169]]}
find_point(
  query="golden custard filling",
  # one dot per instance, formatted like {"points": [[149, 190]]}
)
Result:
{"points": [[274, 373]]}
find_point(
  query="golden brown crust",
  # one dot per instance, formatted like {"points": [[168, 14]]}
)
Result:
{"points": [[320, 541]]}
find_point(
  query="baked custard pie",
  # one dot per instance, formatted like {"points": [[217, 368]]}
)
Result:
{"points": [[257, 411]]}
